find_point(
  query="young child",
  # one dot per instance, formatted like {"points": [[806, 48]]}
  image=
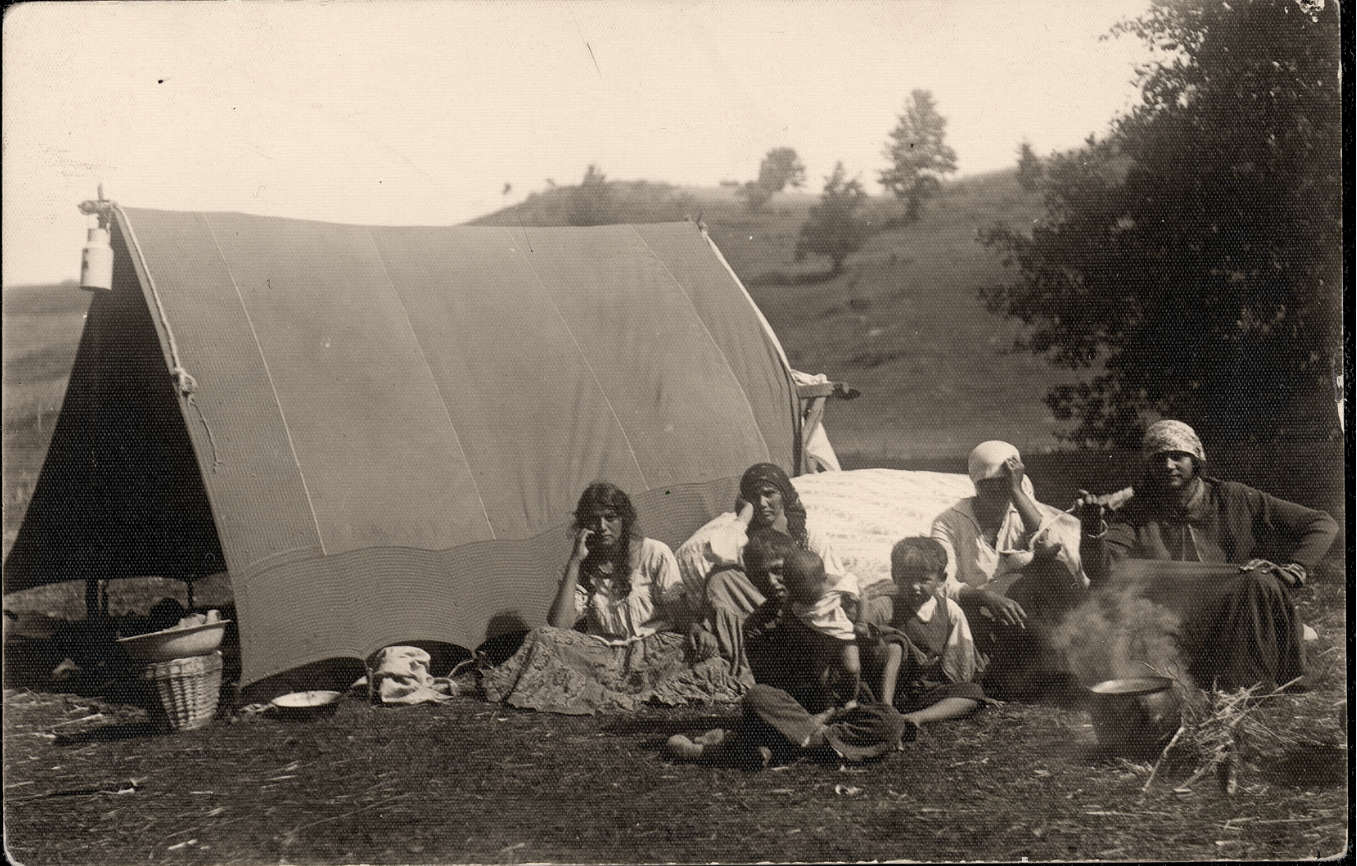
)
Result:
{"points": [[925, 655], [763, 558], [819, 604], [803, 650]]}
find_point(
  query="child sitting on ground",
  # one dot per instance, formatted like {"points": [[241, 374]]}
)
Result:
{"points": [[804, 654], [762, 560], [925, 654]]}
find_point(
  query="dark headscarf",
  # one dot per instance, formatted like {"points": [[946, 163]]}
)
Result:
{"points": [[769, 473]]}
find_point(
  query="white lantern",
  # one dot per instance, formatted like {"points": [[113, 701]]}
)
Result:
{"points": [[96, 261]]}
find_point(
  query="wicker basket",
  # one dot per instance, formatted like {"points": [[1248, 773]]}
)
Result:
{"points": [[188, 690]]}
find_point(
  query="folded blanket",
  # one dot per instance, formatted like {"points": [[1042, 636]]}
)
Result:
{"points": [[863, 512]]}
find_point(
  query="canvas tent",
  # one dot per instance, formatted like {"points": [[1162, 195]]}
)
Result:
{"points": [[380, 432]]}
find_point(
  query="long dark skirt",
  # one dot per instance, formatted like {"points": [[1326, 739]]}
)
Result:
{"points": [[1022, 663], [1237, 629]]}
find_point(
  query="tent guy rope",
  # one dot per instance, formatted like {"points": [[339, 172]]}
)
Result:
{"points": [[185, 383]]}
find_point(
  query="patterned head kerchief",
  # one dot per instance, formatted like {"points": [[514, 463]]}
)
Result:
{"points": [[1170, 435]]}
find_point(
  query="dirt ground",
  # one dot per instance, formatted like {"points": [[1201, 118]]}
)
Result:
{"points": [[89, 779]]}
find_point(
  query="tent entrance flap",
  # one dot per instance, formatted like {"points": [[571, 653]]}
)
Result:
{"points": [[120, 493]]}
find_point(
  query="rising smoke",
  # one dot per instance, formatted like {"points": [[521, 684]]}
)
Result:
{"points": [[1118, 632]]}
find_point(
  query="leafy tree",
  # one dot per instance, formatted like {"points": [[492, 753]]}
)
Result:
{"points": [[1029, 168], [780, 168], [834, 229], [591, 203], [918, 154], [1196, 252]]}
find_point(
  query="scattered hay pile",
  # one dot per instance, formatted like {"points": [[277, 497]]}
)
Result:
{"points": [[1220, 732]]}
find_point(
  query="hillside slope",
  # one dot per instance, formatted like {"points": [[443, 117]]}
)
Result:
{"points": [[902, 322]]}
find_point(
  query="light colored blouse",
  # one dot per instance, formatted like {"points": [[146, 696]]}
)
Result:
{"points": [[720, 544], [656, 590], [973, 561]]}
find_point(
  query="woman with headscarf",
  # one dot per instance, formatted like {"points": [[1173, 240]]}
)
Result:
{"points": [[1241, 628], [1013, 566], [614, 639], [720, 593]]}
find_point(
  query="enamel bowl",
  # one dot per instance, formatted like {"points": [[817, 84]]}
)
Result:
{"points": [[175, 643]]}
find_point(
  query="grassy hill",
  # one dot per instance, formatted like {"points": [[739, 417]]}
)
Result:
{"points": [[902, 321], [42, 327]]}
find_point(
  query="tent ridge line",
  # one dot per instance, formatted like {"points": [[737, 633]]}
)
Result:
{"points": [[711, 337], [447, 413], [277, 401], [631, 449]]}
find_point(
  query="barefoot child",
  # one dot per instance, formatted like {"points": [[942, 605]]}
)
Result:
{"points": [[803, 650], [925, 655]]}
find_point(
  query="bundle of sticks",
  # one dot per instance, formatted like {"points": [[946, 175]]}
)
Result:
{"points": [[1216, 725]]}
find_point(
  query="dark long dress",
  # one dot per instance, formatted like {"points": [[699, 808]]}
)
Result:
{"points": [[1240, 629]]}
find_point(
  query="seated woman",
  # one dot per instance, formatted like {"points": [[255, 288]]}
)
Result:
{"points": [[1239, 631], [630, 651], [1013, 566], [720, 594]]}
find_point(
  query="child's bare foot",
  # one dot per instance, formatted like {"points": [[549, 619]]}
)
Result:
{"points": [[683, 748], [765, 756]]}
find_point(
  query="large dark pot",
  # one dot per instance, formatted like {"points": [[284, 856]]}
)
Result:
{"points": [[1134, 716]]}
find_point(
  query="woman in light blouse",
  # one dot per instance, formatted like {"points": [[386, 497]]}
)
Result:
{"points": [[1013, 566], [615, 637]]}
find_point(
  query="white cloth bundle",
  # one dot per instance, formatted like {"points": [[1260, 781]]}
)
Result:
{"points": [[400, 675]]}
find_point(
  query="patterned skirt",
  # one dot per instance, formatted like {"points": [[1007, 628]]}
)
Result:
{"points": [[560, 670]]}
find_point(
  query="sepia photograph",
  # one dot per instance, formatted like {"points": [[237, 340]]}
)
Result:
{"points": [[679, 431]]}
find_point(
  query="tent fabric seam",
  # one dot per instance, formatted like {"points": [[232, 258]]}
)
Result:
{"points": [[687, 297], [282, 414], [763, 320], [442, 399], [631, 449]]}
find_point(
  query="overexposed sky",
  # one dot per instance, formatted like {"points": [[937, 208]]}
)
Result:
{"points": [[421, 111]]}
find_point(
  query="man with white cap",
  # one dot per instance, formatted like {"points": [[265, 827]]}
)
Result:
{"points": [[1013, 566], [1246, 631]]}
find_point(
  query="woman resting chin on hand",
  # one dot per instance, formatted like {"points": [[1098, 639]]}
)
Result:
{"points": [[624, 590]]}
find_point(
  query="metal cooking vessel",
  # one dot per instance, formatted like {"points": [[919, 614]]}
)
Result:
{"points": [[1134, 716]]}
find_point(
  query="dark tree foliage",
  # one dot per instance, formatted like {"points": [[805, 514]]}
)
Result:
{"points": [[918, 154], [1196, 253], [1030, 168], [834, 229], [780, 168], [591, 203]]}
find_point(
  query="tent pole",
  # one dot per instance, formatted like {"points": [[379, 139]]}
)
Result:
{"points": [[96, 599], [91, 599]]}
